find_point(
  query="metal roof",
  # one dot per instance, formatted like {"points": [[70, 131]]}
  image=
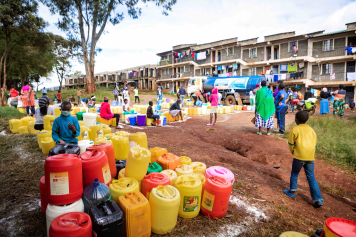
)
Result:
{"points": [[331, 33]]}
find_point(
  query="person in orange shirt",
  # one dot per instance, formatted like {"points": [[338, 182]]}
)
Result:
{"points": [[13, 92]]}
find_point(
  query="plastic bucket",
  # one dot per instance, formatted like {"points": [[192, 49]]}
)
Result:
{"points": [[114, 103], [89, 119], [132, 120], [141, 119]]}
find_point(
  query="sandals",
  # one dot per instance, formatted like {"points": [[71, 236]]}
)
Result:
{"points": [[259, 133], [268, 134], [210, 124]]}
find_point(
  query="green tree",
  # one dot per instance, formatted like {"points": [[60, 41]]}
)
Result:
{"points": [[85, 20]]}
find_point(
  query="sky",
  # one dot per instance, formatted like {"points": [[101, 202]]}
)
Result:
{"points": [[136, 42]]}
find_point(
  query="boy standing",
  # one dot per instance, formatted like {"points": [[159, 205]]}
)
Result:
{"points": [[115, 94], [302, 142], [352, 105], [136, 95]]}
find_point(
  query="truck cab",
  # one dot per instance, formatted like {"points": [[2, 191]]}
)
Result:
{"points": [[196, 84]]}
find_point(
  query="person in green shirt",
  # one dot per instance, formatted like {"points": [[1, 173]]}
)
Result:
{"points": [[302, 142], [54, 98], [136, 95]]}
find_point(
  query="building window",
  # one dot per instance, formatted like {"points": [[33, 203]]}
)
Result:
{"points": [[167, 85], [230, 51], [291, 46], [327, 68], [328, 45], [253, 53], [253, 71], [186, 69], [167, 71]]}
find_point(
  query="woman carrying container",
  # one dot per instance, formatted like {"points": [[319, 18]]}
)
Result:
{"points": [[339, 101], [105, 112], [42, 111], [324, 103], [28, 98], [264, 109]]}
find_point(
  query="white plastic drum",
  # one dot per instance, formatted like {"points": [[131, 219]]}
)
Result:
{"points": [[89, 119], [84, 144]]}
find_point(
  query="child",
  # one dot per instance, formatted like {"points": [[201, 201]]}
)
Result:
{"points": [[151, 115], [214, 99], [352, 106], [42, 111], [59, 97], [105, 112], [115, 94], [126, 105], [175, 110], [65, 128], [302, 142], [54, 99]]}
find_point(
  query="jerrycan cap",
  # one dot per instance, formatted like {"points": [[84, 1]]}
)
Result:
{"points": [[219, 181], [169, 173], [77, 219], [197, 165], [187, 181], [185, 168], [166, 192], [123, 183], [139, 152], [156, 177], [91, 154]]}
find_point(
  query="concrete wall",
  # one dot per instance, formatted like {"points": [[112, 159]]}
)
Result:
{"points": [[284, 51], [246, 72], [259, 70], [207, 60], [339, 70], [302, 47], [245, 54], [351, 26], [315, 72], [340, 43], [260, 54]]}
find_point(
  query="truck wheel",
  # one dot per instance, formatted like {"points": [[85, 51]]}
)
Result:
{"points": [[230, 100]]}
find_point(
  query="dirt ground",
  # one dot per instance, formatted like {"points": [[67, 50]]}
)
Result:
{"points": [[261, 164]]}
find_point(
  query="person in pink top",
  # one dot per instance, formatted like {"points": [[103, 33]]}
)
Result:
{"points": [[105, 112], [214, 98]]}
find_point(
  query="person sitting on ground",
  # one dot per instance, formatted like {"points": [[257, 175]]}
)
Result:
{"points": [[264, 109], [302, 142], [71, 99], [214, 99], [65, 128], [105, 112], [126, 106], [42, 111], [175, 110], [151, 115]]}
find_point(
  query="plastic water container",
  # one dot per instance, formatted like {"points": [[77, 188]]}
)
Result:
{"points": [[109, 151], [47, 144], [184, 169], [14, 125], [42, 134], [172, 175], [138, 215], [121, 174], [216, 196], [200, 176], [132, 120], [64, 179], [249, 108], [162, 121], [114, 103], [108, 220], [95, 165], [96, 131], [253, 108], [84, 144], [169, 161], [140, 138], [137, 163], [335, 227], [244, 107], [203, 109], [198, 167], [106, 129], [57, 112], [295, 234], [220, 171], [31, 127], [43, 195], [152, 180], [164, 202], [100, 140], [190, 189], [154, 168], [48, 121], [89, 119], [185, 160], [120, 164], [121, 147], [74, 224], [141, 119], [157, 152], [95, 193], [200, 111], [23, 130], [54, 211], [122, 186]]}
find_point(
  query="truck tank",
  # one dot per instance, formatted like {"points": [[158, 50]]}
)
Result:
{"points": [[209, 84], [242, 84]]}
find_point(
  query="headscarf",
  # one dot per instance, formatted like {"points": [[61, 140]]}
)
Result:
{"points": [[325, 90], [43, 101]]}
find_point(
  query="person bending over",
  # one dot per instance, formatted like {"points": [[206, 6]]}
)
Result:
{"points": [[65, 128], [151, 115]]}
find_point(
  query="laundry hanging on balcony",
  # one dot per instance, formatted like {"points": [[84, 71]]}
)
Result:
{"points": [[219, 67], [192, 55], [235, 66], [201, 55], [301, 65], [351, 76], [292, 67], [223, 67], [283, 68], [350, 50], [332, 76]]}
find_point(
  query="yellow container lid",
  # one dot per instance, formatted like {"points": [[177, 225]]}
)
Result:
{"points": [[166, 194], [171, 174], [184, 169], [185, 160], [187, 181], [46, 140], [198, 167], [122, 186], [140, 154], [200, 176], [292, 234]]}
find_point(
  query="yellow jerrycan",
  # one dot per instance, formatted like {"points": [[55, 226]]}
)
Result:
{"points": [[96, 131], [57, 111], [14, 125], [137, 163], [31, 127], [121, 147], [23, 130], [122, 173], [123, 134], [81, 123], [42, 134], [184, 169], [48, 121], [172, 175], [47, 144], [26, 120], [137, 213], [198, 167], [190, 189], [122, 186], [110, 135], [200, 176], [84, 133], [157, 152], [140, 138], [185, 160], [100, 140], [164, 202], [106, 129], [295, 234]]}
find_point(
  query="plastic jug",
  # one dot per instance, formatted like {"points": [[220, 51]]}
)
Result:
{"points": [[95, 193], [122, 186], [109, 151], [185, 160], [42, 134], [198, 167], [172, 176], [74, 224], [216, 196], [164, 202], [26, 120], [152, 180], [64, 148], [43, 195], [140, 138], [220, 171], [121, 147], [121, 174], [23, 130], [335, 227], [100, 140], [81, 123], [154, 168], [190, 189], [200, 176], [14, 125], [57, 111], [47, 144], [84, 144], [31, 127], [106, 129], [54, 211], [48, 121], [169, 161], [138, 215], [108, 220], [123, 134], [84, 133], [184, 169], [157, 152], [120, 164], [96, 131], [137, 163]]}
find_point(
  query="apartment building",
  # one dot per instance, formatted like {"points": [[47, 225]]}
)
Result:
{"points": [[143, 77], [315, 60]]}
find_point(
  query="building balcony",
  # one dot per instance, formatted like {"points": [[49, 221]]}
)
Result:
{"points": [[319, 53]]}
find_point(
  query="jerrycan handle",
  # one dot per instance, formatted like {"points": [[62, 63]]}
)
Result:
{"points": [[155, 177], [163, 190], [103, 206], [191, 179], [121, 183], [218, 171], [66, 221], [219, 179], [132, 199]]}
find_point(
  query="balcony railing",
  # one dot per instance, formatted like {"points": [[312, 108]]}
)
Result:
{"points": [[342, 76], [318, 53]]}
